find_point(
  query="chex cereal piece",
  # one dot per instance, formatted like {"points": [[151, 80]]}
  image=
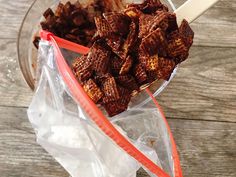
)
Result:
{"points": [[152, 63], [99, 57], [116, 65], [93, 90], [140, 74], [133, 12], [103, 28], [154, 43], [131, 39], [118, 22], [116, 107], [82, 68], [116, 43], [187, 33], [176, 45], [160, 20], [128, 82], [150, 6], [165, 68], [144, 23], [172, 23], [110, 90], [126, 65]]}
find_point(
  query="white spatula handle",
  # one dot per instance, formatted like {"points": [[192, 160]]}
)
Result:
{"points": [[192, 9]]}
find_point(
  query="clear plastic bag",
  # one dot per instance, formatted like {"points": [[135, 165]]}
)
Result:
{"points": [[81, 137]]}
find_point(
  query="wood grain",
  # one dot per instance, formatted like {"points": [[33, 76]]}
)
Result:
{"points": [[201, 145], [204, 87], [12, 14], [13, 89], [20, 156], [207, 149], [215, 28]]}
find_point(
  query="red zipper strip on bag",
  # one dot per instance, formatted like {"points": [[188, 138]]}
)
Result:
{"points": [[95, 113], [177, 166], [71, 46]]}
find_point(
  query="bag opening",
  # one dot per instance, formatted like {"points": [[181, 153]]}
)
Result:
{"points": [[96, 114]]}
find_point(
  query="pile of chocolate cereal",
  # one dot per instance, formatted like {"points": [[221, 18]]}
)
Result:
{"points": [[130, 50], [73, 22]]}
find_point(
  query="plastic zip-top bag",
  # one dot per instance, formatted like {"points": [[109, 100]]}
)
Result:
{"points": [[79, 135], [70, 126]]}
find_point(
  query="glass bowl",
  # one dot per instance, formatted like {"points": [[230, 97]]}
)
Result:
{"points": [[27, 53]]}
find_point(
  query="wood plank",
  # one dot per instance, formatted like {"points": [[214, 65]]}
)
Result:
{"points": [[13, 89], [206, 81], [11, 17], [215, 28], [201, 144], [215, 35], [19, 154], [207, 149], [204, 87]]}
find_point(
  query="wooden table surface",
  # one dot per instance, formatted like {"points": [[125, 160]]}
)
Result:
{"points": [[200, 102]]}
